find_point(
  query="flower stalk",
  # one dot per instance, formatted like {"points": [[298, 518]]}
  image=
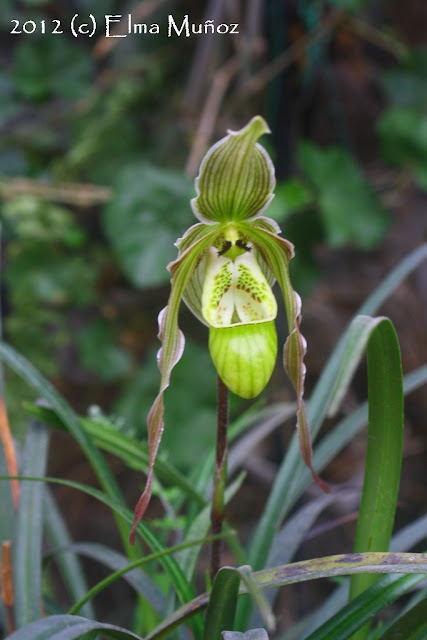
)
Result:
{"points": [[220, 477]]}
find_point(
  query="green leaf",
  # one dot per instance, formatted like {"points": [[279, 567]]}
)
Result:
{"points": [[27, 547], [134, 454], [384, 450], [236, 178], [27, 372], [411, 626], [147, 212], [327, 567], [406, 538], [341, 436], [405, 85], [66, 560], [342, 564], [119, 564], [51, 66], [359, 611], [99, 353], [222, 603], [64, 627], [128, 570], [294, 531], [292, 477], [199, 528], [357, 337], [183, 589], [291, 537], [350, 210], [290, 197], [258, 597], [403, 134]]}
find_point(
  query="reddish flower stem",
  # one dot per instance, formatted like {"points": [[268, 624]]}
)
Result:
{"points": [[220, 476]]}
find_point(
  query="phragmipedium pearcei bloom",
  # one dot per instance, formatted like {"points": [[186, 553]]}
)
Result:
{"points": [[225, 269]]}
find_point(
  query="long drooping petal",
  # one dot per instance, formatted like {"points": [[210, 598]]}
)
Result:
{"points": [[277, 251], [172, 341]]}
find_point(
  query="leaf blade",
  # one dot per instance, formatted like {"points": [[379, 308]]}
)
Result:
{"points": [[65, 627], [384, 450], [222, 603], [27, 550], [288, 481]]}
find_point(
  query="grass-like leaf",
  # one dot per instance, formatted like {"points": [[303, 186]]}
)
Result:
{"points": [[119, 565], [411, 626], [403, 540], [362, 609], [27, 561], [343, 433], [291, 536], [126, 570], [182, 587], [222, 603], [199, 528], [134, 454], [327, 567], [69, 565], [357, 337], [34, 379], [288, 483], [384, 450], [279, 503], [65, 627], [258, 597]]}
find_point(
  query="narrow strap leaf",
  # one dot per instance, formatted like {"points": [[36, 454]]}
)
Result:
{"points": [[65, 627], [222, 603], [384, 448], [28, 539]]}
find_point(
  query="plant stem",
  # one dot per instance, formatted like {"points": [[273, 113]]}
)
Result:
{"points": [[220, 476]]}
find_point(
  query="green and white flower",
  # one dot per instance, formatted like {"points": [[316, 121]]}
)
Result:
{"points": [[225, 269]]}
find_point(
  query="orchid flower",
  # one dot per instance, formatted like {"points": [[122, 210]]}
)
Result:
{"points": [[224, 272]]}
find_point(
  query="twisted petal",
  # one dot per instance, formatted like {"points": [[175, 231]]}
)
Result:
{"points": [[236, 178], [277, 251], [172, 341]]}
